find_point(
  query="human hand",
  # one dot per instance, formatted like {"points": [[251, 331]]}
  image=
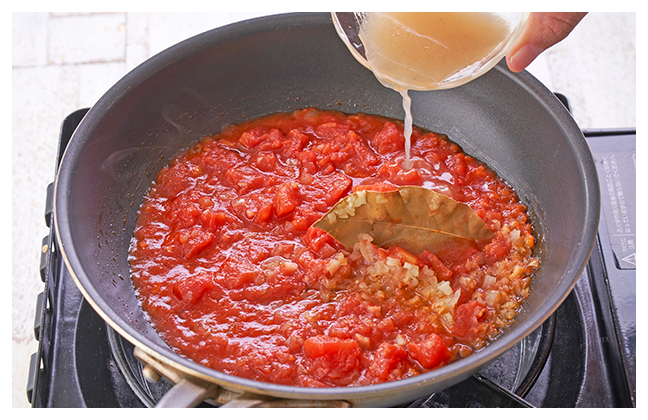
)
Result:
{"points": [[541, 32]]}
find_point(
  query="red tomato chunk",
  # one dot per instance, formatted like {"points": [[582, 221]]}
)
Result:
{"points": [[233, 276], [431, 352]]}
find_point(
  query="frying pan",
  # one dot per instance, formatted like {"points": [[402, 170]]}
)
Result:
{"points": [[253, 68]]}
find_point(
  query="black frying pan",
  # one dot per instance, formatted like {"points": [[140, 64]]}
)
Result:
{"points": [[280, 63]]}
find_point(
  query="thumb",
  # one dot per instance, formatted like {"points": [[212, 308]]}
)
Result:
{"points": [[542, 30]]}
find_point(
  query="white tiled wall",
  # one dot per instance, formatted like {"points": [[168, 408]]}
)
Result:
{"points": [[65, 61]]}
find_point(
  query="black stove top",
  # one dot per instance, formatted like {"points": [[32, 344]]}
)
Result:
{"points": [[584, 355]]}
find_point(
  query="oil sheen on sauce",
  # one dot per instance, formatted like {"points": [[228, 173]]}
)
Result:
{"points": [[419, 51]]}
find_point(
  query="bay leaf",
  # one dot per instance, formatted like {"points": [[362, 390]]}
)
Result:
{"points": [[414, 218]]}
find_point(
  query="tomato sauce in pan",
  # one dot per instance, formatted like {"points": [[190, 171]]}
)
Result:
{"points": [[232, 275]]}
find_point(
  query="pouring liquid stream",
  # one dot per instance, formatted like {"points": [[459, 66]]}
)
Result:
{"points": [[407, 129], [421, 51]]}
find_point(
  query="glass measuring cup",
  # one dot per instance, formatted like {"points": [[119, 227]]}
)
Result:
{"points": [[352, 28]]}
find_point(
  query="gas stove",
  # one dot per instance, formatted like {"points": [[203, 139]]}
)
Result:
{"points": [[584, 355]]}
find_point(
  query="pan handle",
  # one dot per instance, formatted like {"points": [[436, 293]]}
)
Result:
{"points": [[186, 391], [189, 394], [186, 394], [190, 391]]}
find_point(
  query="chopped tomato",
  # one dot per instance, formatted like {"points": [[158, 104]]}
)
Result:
{"points": [[287, 198], [496, 250], [213, 219], [317, 240], [266, 161], [191, 289], [379, 187], [442, 272], [335, 186], [194, 241], [430, 353], [253, 137], [334, 358], [469, 322], [403, 255], [389, 357], [389, 139], [246, 178]]}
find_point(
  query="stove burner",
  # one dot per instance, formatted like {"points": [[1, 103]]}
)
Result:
{"points": [[582, 356]]}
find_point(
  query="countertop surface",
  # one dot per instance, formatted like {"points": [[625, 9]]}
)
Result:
{"points": [[62, 62]]}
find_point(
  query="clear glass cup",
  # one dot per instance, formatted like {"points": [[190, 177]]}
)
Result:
{"points": [[350, 24]]}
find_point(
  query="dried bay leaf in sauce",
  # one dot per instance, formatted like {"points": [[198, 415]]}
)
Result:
{"points": [[414, 218]]}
